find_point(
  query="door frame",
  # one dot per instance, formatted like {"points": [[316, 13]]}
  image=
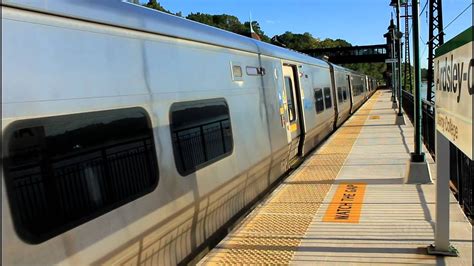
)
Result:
{"points": [[332, 72], [299, 105], [349, 79]]}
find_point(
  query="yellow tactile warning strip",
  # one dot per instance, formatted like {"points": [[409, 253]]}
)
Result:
{"points": [[346, 204], [273, 231]]}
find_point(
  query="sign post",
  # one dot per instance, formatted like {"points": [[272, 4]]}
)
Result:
{"points": [[454, 84]]}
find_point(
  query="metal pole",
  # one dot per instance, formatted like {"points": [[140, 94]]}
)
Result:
{"points": [[393, 69], [418, 169], [442, 245], [418, 155], [399, 63], [442, 192]]}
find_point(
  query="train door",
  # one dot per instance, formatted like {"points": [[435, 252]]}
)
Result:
{"points": [[367, 88], [293, 109], [335, 98], [349, 83]]}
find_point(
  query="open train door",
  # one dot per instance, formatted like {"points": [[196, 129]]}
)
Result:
{"points": [[292, 100], [349, 82]]}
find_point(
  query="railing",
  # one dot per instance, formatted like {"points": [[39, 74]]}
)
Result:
{"points": [[427, 119], [462, 168], [462, 177]]}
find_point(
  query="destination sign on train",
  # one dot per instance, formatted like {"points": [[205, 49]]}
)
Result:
{"points": [[454, 81]]}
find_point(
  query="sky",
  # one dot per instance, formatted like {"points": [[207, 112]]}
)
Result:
{"points": [[361, 22]]}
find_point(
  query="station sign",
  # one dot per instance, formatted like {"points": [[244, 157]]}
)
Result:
{"points": [[454, 91]]}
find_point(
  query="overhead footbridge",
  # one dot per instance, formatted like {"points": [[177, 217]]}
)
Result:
{"points": [[352, 54]]}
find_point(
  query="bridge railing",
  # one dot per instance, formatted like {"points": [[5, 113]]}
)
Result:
{"points": [[462, 168]]}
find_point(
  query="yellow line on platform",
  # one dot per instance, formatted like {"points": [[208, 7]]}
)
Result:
{"points": [[272, 232]]}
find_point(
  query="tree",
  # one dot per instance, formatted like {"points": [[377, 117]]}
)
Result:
{"points": [[298, 41], [157, 6], [202, 18], [153, 4], [330, 43], [257, 29], [228, 23], [375, 70]]}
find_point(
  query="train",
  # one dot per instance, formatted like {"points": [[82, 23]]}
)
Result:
{"points": [[132, 136]]}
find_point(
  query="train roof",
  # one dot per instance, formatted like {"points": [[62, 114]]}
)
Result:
{"points": [[131, 16], [339, 68]]}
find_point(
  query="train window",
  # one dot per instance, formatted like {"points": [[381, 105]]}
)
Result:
{"points": [[318, 96], [201, 133], [327, 98], [358, 89], [339, 94], [344, 93], [255, 71], [63, 171], [236, 72], [290, 99]]}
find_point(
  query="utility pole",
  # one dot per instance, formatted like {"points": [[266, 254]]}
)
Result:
{"points": [[419, 171]]}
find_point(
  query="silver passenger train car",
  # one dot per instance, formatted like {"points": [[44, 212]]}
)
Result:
{"points": [[132, 136]]}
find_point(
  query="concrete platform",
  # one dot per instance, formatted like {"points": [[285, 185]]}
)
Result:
{"points": [[390, 222]]}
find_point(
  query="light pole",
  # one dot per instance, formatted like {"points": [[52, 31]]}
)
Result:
{"points": [[391, 41], [394, 68], [418, 170], [398, 35]]}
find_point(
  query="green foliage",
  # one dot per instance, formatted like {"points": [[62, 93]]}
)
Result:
{"points": [[229, 23], [330, 43], [297, 41], [375, 70], [257, 29], [155, 5], [305, 41], [424, 74]]}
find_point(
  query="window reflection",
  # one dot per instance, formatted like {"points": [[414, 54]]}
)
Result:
{"points": [[290, 99], [63, 171], [201, 133]]}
